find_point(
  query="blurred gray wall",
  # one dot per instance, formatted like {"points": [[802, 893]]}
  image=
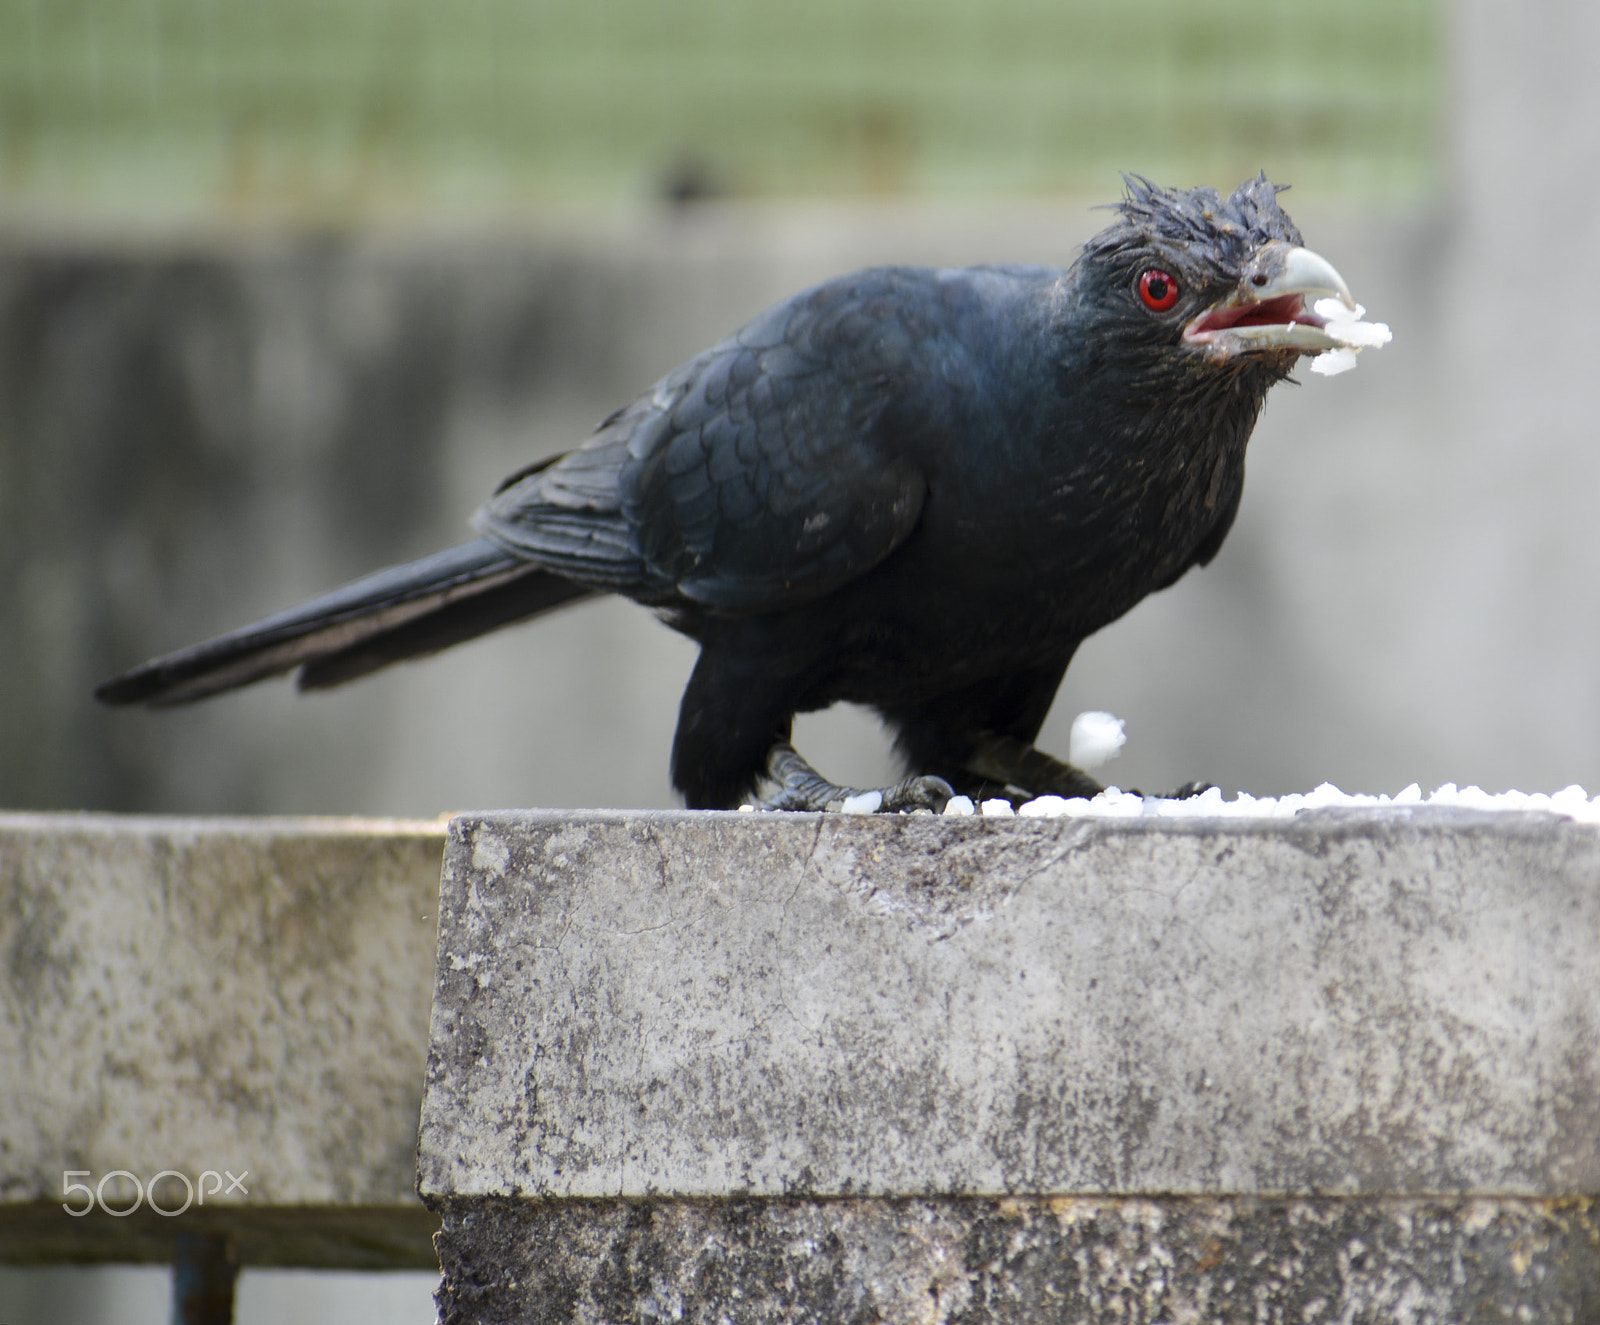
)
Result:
{"points": [[195, 433]]}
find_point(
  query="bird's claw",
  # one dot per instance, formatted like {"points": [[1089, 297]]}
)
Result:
{"points": [[798, 786], [1188, 791], [919, 793]]}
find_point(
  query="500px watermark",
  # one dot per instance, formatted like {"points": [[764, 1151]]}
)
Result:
{"points": [[144, 1193]]}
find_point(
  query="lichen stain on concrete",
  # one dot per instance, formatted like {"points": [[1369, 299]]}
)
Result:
{"points": [[975, 1261], [38, 964], [257, 997], [491, 856]]}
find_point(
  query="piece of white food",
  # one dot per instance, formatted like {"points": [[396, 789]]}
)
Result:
{"points": [[1097, 738], [1345, 326]]}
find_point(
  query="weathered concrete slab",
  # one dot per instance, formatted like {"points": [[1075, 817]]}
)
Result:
{"points": [[1397, 1003], [824, 1069], [215, 996]]}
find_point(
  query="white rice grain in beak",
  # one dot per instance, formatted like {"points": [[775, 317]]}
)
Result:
{"points": [[1330, 363], [1097, 738], [1345, 326]]}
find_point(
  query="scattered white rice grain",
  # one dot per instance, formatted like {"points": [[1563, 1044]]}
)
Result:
{"points": [[960, 806], [1044, 807], [1117, 803], [1570, 799], [1207, 803], [868, 802], [1323, 795], [1097, 738], [998, 808], [747, 809], [1573, 802]]}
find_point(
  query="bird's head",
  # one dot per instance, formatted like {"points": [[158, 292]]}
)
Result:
{"points": [[1188, 277]]}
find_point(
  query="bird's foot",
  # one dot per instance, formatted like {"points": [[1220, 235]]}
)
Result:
{"points": [[798, 786], [1023, 771], [1186, 792]]}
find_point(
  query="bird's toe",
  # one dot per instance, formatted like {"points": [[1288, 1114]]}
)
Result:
{"points": [[919, 793], [1188, 791]]}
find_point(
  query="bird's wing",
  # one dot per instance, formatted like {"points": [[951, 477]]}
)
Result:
{"points": [[759, 475]]}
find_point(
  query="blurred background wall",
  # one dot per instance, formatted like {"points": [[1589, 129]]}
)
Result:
{"points": [[285, 288]]}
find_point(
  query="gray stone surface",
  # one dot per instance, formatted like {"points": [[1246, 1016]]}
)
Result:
{"points": [[233, 995], [1394, 1003]]}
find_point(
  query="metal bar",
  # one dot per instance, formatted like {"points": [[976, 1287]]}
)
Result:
{"points": [[204, 1271]]}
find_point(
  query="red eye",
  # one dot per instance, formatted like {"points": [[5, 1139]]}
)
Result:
{"points": [[1158, 290]]}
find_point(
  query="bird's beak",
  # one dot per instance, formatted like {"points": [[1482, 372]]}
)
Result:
{"points": [[1273, 306]]}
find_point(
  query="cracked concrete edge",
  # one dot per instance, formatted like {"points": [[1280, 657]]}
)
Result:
{"points": [[1395, 1002], [212, 995]]}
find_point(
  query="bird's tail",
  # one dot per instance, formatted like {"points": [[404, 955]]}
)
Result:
{"points": [[403, 612]]}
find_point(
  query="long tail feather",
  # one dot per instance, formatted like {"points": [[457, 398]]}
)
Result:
{"points": [[399, 613]]}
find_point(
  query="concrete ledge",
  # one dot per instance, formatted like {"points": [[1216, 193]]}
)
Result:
{"points": [[216, 995], [1394, 1003], [686, 1055]]}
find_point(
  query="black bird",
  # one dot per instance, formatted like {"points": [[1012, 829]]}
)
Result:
{"points": [[918, 490]]}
